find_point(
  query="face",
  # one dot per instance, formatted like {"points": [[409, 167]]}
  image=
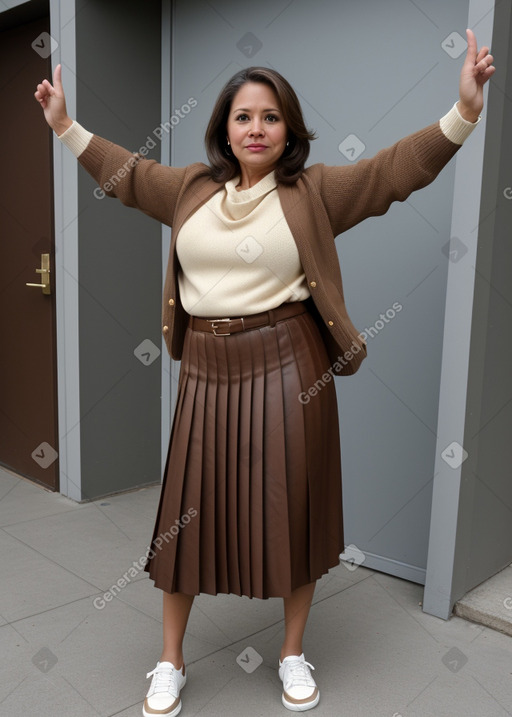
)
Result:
{"points": [[256, 129]]}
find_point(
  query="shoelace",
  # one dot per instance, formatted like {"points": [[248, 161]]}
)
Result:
{"points": [[166, 680], [298, 673]]}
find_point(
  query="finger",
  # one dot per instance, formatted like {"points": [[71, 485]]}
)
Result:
{"points": [[484, 64], [49, 90], [41, 99], [41, 92], [488, 72], [483, 53], [57, 77], [471, 53]]}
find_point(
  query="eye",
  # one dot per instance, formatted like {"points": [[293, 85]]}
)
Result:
{"points": [[272, 118], [242, 117]]}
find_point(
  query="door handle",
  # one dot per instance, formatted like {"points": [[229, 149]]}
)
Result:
{"points": [[45, 274]]}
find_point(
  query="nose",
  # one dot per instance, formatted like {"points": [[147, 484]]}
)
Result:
{"points": [[256, 129]]}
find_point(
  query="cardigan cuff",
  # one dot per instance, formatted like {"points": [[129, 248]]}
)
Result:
{"points": [[76, 138], [455, 127]]}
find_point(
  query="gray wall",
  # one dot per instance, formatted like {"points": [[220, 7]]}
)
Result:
{"points": [[484, 537], [118, 97], [376, 70]]}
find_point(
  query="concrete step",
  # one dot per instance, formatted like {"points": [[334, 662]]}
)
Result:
{"points": [[490, 603]]}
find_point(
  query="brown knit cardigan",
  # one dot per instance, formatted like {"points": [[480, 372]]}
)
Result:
{"points": [[323, 203]]}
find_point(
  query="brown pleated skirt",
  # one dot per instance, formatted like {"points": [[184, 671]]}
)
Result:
{"points": [[251, 498]]}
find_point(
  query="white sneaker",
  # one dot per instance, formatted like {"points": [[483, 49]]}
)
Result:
{"points": [[163, 697], [300, 691]]}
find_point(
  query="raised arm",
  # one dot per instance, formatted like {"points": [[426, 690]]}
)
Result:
{"points": [[367, 188], [137, 182]]}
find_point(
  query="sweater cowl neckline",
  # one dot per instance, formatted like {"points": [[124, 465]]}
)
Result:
{"points": [[240, 203]]}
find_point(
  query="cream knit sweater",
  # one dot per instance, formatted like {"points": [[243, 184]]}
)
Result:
{"points": [[236, 253]]}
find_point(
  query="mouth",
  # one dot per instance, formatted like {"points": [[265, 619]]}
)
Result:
{"points": [[256, 147]]}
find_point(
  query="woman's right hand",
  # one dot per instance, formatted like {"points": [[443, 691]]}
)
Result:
{"points": [[52, 100]]}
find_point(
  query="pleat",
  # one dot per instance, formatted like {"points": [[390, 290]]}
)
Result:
{"points": [[220, 448], [296, 441], [323, 458], [205, 553], [233, 513], [248, 500], [163, 548], [187, 566], [258, 468], [275, 534]]}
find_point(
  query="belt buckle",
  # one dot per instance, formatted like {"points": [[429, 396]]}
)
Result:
{"points": [[215, 327]]}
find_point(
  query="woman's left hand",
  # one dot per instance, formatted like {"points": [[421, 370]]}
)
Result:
{"points": [[476, 70]]}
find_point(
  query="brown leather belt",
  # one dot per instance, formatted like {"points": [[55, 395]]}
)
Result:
{"points": [[227, 326]]}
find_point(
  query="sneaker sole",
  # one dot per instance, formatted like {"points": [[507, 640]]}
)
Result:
{"points": [[294, 707], [175, 711]]}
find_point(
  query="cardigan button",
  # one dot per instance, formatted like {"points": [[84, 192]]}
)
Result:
{"points": [[171, 302], [165, 329], [331, 323], [312, 283]]}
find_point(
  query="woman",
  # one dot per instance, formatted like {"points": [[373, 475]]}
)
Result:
{"points": [[253, 306]]}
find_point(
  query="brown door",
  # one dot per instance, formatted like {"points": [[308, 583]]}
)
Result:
{"points": [[28, 389]]}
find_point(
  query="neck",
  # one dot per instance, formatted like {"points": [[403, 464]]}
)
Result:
{"points": [[249, 178]]}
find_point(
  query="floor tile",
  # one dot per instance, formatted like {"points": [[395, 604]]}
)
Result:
{"points": [[99, 658], [89, 542], [32, 583], [21, 500]]}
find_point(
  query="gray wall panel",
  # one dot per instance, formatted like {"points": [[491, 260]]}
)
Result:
{"points": [[484, 539], [118, 97]]}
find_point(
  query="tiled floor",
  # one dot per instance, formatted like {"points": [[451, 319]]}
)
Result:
{"points": [[375, 652]]}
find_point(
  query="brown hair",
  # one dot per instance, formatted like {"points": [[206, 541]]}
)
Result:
{"points": [[223, 164]]}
